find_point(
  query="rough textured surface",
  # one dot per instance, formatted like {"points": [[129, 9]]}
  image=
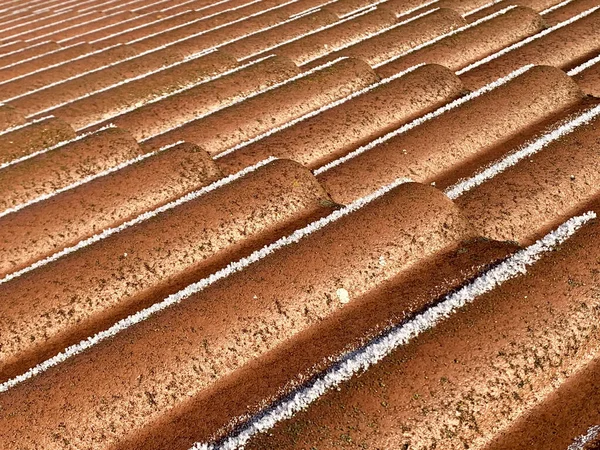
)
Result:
{"points": [[419, 269]]}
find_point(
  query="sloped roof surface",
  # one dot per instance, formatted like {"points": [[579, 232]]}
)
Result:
{"points": [[299, 224]]}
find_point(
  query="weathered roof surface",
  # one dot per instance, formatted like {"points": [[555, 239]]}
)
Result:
{"points": [[299, 224]]}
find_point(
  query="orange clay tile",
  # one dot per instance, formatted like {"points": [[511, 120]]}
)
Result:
{"points": [[47, 24], [211, 37], [95, 35], [470, 45], [541, 191], [563, 416], [142, 264], [10, 117], [563, 48], [272, 37], [318, 44], [43, 61], [141, 32], [107, 201], [27, 52], [28, 139], [399, 39], [68, 32], [273, 376], [536, 5], [568, 11], [185, 351], [438, 147], [589, 80], [87, 84], [472, 375], [245, 120], [335, 132], [64, 71], [67, 164], [175, 110], [108, 103]]}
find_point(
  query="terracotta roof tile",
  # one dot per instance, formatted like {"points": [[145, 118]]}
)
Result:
{"points": [[397, 39], [463, 47], [257, 114], [341, 34], [430, 150], [317, 139], [299, 224]]}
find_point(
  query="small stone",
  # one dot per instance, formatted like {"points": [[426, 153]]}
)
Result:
{"points": [[572, 177], [343, 295]]}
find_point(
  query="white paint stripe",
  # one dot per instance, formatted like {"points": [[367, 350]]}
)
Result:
{"points": [[47, 149], [427, 117], [362, 359], [377, 33], [527, 40], [585, 65], [294, 39], [581, 441], [482, 7], [446, 35], [85, 180], [270, 88], [18, 127], [120, 83], [555, 7], [316, 112], [186, 88], [525, 151], [62, 63], [193, 288]]}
